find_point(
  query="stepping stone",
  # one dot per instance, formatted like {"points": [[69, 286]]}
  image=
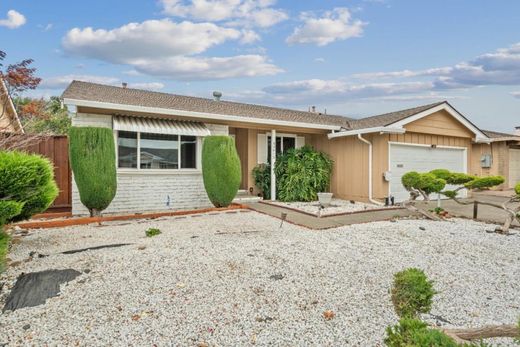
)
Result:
{"points": [[33, 289]]}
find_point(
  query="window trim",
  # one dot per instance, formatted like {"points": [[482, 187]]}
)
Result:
{"points": [[180, 170]]}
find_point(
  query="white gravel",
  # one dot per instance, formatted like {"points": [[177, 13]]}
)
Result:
{"points": [[215, 279], [336, 206]]}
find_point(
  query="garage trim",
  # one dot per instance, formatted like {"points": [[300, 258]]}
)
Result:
{"points": [[390, 143]]}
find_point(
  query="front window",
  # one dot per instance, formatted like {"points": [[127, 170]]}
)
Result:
{"points": [[159, 151], [156, 151], [283, 144], [127, 149]]}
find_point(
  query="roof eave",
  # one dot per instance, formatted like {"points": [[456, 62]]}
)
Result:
{"points": [[193, 114], [381, 130]]}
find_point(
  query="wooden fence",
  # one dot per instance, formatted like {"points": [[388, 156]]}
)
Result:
{"points": [[56, 148]]}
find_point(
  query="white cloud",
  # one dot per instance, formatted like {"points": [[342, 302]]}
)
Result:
{"points": [[247, 13], [332, 26], [203, 68], [319, 60], [149, 39], [249, 36], [14, 20], [515, 94], [60, 82], [338, 90], [501, 67], [147, 85], [168, 49]]}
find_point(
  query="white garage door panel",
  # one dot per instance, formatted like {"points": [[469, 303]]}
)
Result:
{"points": [[406, 158], [514, 167]]}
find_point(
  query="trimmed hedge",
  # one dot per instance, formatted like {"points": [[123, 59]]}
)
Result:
{"points": [[27, 185], [221, 170], [93, 162]]}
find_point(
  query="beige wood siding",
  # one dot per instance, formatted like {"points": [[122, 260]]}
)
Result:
{"points": [[500, 166], [350, 155], [439, 123]]}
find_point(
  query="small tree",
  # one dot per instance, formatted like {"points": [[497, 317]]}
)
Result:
{"points": [[27, 186], [93, 162], [424, 184], [221, 170]]}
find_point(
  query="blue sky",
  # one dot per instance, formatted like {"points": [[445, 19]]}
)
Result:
{"points": [[354, 58]]}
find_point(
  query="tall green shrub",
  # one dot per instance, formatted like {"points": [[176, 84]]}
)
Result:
{"points": [[302, 173], [262, 177], [221, 170], [93, 162], [27, 185]]}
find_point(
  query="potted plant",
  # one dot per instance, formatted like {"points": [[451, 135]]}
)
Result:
{"points": [[325, 198]]}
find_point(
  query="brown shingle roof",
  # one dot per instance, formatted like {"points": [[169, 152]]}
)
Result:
{"points": [[116, 95], [496, 134], [389, 118]]}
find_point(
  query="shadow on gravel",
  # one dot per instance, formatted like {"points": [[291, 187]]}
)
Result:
{"points": [[96, 247], [33, 289]]}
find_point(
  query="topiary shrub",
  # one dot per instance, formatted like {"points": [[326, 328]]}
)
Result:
{"points": [[517, 189], [262, 177], [410, 332], [302, 173], [422, 184], [221, 170], [412, 293], [484, 182], [27, 185], [93, 162]]}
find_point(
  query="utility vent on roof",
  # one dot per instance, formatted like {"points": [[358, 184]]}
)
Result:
{"points": [[160, 126]]}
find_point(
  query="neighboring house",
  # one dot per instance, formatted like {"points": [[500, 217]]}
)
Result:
{"points": [[500, 157], [9, 121], [159, 138]]}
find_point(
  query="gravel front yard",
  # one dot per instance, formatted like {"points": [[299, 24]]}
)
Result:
{"points": [[231, 279], [336, 206]]}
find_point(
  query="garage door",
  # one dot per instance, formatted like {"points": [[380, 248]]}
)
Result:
{"points": [[514, 167], [406, 158]]}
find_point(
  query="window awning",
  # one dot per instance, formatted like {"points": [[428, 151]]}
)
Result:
{"points": [[160, 126]]}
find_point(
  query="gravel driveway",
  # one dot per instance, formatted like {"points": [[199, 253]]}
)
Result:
{"points": [[233, 279]]}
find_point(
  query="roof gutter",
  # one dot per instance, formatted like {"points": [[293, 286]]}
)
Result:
{"points": [[192, 114], [382, 130]]}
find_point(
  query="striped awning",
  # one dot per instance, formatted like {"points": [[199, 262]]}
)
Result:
{"points": [[160, 126]]}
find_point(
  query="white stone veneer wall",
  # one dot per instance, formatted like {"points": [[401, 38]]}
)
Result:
{"points": [[142, 191]]}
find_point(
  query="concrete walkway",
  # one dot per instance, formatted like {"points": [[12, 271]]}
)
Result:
{"points": [[485, 213], [328, 222]]}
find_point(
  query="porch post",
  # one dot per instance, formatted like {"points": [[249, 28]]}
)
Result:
{"points": [[273, 162]]}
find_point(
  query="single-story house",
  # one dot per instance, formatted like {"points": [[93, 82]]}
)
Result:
{"points": [[9, 121], [500, 157], [158, 138]]}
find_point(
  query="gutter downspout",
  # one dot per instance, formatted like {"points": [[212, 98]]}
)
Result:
{"points": [[370, 183]]}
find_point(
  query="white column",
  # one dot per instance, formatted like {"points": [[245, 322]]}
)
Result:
{"points": [[273, 162]]}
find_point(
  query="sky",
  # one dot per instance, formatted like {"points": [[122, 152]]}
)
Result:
{"points": [[354, 58]]}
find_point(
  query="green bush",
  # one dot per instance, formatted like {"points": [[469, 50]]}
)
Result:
{"points": [[8, 210], [93, 162], [152, 232], [4, 246], [302, 173], [221, 170], [410, 180], [411, 332], [412, 293], [262, 177], [28, 181], [485, 182], [427, 183]]}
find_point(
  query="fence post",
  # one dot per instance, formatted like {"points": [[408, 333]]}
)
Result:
{"points": [[475, 209]]}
